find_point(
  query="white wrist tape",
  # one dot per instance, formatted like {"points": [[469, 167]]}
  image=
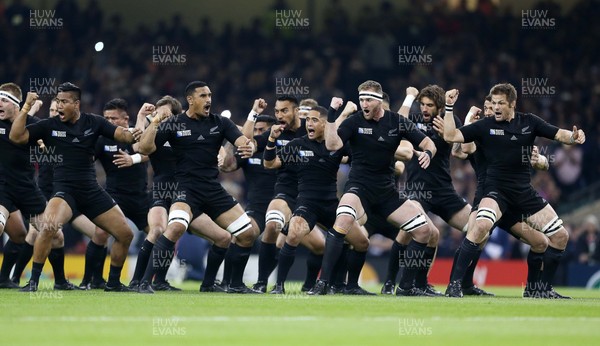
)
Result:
{"points": [[136, 158], [408, 101]]}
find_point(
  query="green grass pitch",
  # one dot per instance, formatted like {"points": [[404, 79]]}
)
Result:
{"points": [[50, 317]]}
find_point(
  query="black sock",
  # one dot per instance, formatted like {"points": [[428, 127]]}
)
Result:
{"points": [[313, 266], [36, 271], [468, 252], [423, 269], [413, 261], [57, 261], [215, 257], [239, 259], [340, 271], [356, 261], [24, 258], [468, 278], [552, 258], [287, 255], [142, 260], [98, 275], [267, 261], [114, 276], [334, 245], [227, 267], [534, 269], [92, 253], [394, 261], [160, 260], [11, 254]]}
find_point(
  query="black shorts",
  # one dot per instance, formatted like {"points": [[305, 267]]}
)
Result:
{"points": [[316, 211], [377, 224], [29, 200], [477, 198], [289, 199], [382, 200], [443, 203], [163, 193], [211, 199], [509, 219], [135, 208], [257, 212], [48, 195], [89, 199], [524, 202]]}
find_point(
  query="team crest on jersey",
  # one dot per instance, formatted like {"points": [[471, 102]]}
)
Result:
{"points": [[495, 132], [255, 161], [56, 133], [365, 131], [393, 132], [213, 130], [111, 148], [282, 142], [2, 131], [184, 133], [306, 153], [88, 132]]}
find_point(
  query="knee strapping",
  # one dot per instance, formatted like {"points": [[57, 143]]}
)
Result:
{"points": [[552, 227], [487, 214], [414, 223], [275, 216], [179, 216], [240, 225], [345, 210]]}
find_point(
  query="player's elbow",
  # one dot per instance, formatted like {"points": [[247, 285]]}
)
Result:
{"points": [[333, 145], [146, 149], [18, 139]]}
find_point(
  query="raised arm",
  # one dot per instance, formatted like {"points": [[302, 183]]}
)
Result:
{"points": [[451, 133], [349, 109], [257, 108], [333, 141], [566, 136], [126, 135], [411, 95], [19, 133], [270, 158]]}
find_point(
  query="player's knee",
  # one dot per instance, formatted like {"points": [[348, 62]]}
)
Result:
{"points": [[559, 239], [18, 237], [274, 221], [553, 227], [154, 233], [345, 215], [223, 240], [361, 245], [418, 227], [294, 237], [539, 245], [485, 219]]}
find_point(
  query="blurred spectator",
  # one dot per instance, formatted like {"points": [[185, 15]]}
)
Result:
{"points": [[587, 241]]}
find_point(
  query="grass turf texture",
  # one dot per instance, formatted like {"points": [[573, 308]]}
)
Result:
{"points": [[50, 317]]}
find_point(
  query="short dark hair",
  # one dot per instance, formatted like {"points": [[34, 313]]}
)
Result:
{"points": [[117, 103], [189, 89], [488, 98], [289, 98], [69, 87], [176, 107], [266, 119], [505, 89], [322, 111], [435, 93]]}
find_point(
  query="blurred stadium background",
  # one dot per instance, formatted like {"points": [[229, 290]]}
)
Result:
{"points": [[320, 49]]}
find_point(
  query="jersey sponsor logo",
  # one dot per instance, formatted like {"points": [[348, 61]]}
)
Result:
{"points": [[322, 160], [524, 130], [56, 133], [306, 153], [254, 161], [184, 133], [380, 139], [365, 131], [200, 138], [513, 138], [2, 131], [75, 140], [282, 142], [496, 132], [167, 144], [88, 132], [393, 132], [213, 130], [111, 148]]}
